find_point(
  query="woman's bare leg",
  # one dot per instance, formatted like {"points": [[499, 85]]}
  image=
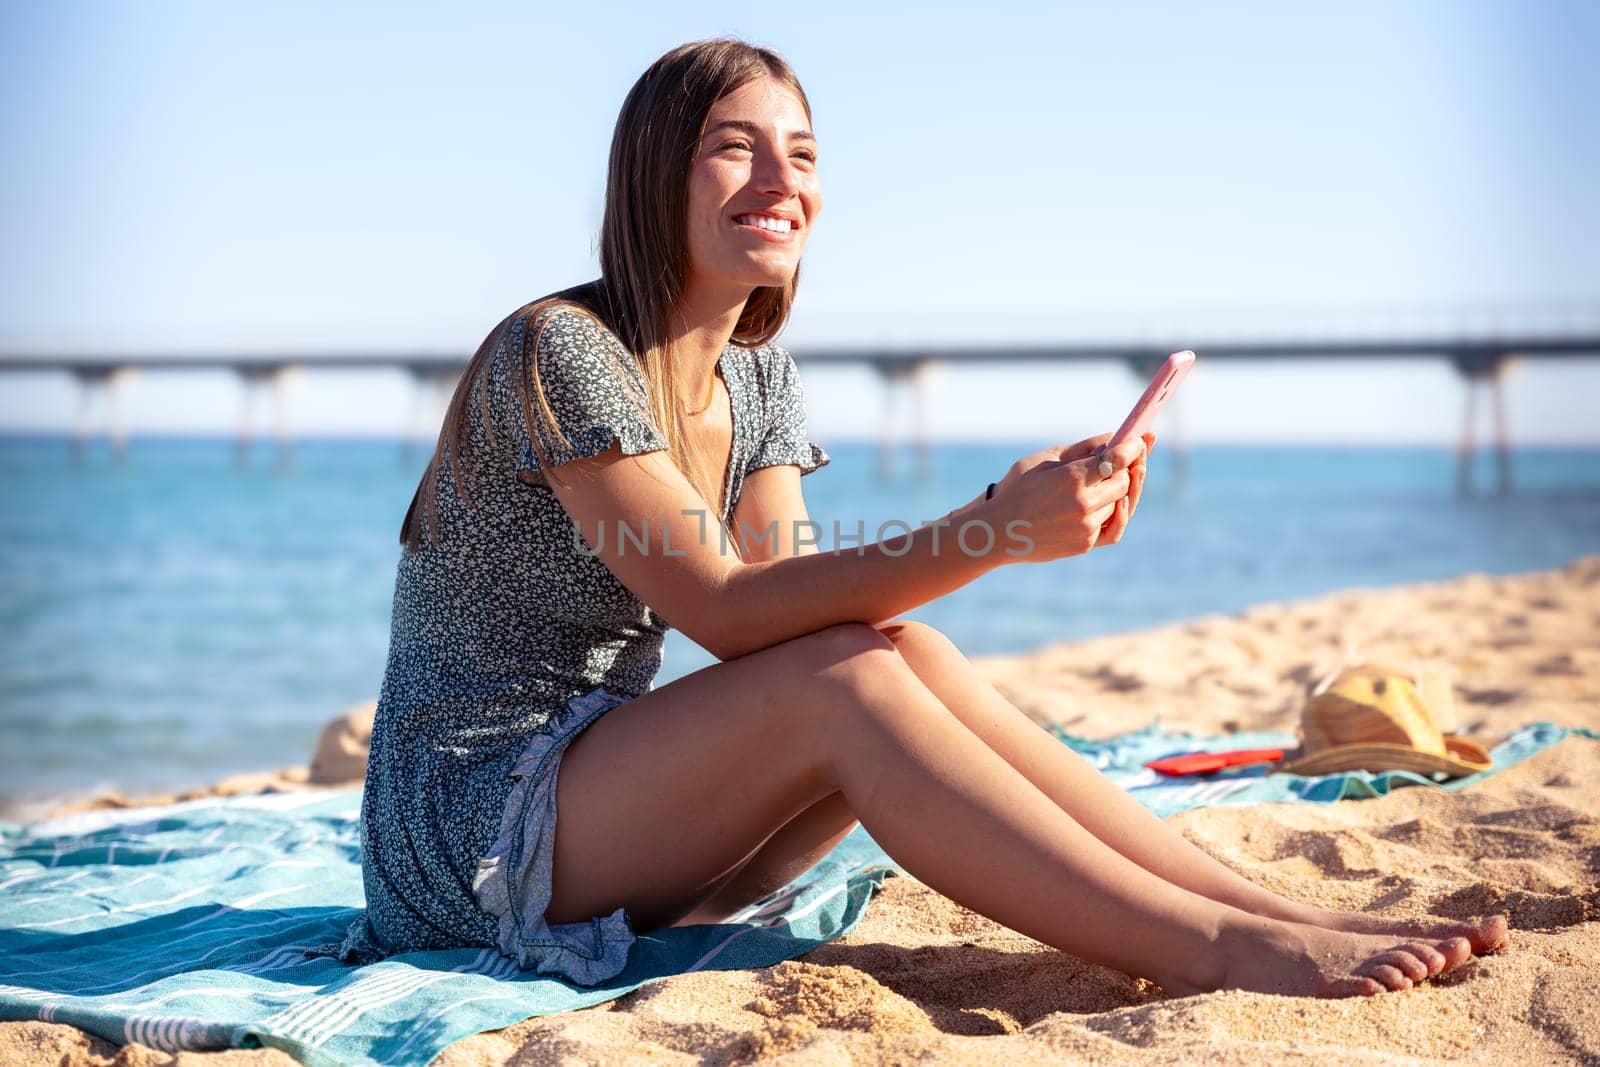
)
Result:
{"points": [[798, 846], [665, 798], [1113, 816]]}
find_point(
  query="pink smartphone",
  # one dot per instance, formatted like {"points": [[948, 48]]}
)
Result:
{"points": [[1166, 379]]}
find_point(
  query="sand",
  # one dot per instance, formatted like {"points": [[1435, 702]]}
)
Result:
{"points": [[924, 980]]}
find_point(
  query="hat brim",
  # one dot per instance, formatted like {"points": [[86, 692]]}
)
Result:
{"points": [[1466, 757]]}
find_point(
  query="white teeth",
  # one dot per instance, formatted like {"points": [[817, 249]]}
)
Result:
{"points": [[766, 222]]}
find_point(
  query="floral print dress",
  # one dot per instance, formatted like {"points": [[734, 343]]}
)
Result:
{"points": [[507, 633]]}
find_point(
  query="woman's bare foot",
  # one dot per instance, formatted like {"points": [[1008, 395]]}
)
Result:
{"points": [[1486, 936], [1292, 959]]}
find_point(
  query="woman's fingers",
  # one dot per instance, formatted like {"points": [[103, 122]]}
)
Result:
{"points": [[1091, 446], [1137, 469], [1136, 475], [1128, 453], [1096, 508], [1099, 492], [1123, 507], [1084, 448], [1098, 518], [1114, 528]]}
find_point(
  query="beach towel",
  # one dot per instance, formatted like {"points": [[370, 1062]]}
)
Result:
{"points": [[186, 926], [1122, 758]]}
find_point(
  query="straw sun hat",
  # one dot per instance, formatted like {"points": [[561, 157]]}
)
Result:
{"points": [[1372, 717]]}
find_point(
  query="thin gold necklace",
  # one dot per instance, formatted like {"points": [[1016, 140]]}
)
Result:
{"points": [[711, 398]]}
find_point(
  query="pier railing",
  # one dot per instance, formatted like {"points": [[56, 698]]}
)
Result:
{"points": [[1480, 360]]}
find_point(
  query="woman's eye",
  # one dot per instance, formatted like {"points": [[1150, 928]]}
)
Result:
{"points": [[741, 145]]}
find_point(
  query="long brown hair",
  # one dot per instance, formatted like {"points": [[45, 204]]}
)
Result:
{"points": [[644, 261]]}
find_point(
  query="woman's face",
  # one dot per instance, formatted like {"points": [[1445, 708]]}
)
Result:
{"points": [[754, 191]]}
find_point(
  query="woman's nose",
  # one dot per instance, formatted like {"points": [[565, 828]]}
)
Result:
{"points": [[776, 175]]}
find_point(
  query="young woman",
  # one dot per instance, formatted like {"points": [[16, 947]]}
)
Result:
{"points": [[522, 655]]}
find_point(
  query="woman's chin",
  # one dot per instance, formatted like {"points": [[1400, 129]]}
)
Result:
{"points": [[774, 277], [755, 275], [768, 270]]}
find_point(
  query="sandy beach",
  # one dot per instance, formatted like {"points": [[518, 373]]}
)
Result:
{"points": [[922, 979]]}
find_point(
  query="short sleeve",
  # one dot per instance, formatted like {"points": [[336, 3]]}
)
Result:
{"points": [[785, 439], [593, 387]]}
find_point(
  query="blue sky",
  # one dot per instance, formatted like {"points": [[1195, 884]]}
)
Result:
{"points": [[203, 176]]}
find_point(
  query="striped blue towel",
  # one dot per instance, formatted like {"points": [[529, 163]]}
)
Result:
{"points": [[186, 926]]}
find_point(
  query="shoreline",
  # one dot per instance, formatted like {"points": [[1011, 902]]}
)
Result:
{"points": [[338, 762], [1267, 655], [924, 979], [1517, 649]]}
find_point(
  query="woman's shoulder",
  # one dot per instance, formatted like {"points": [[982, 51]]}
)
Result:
{"points": [[565, 325], [775, 367], [562, 341]]}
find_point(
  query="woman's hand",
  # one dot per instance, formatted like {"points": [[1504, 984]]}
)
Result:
{"points": [[1068, 506], [1114, 528]]}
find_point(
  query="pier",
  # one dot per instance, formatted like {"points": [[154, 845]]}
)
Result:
{"points": [[1480, 360], [1481, 365]]}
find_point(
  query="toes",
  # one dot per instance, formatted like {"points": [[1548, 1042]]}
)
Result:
{"points": [[1390, 975], [1355, 987], [1431, 957], [1403, 960], [1493, 934], [1455, 950]]}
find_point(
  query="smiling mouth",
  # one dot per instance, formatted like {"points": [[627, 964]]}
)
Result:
{"points": [[766, 222]]}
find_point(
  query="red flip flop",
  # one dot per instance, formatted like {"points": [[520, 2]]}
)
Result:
{"points": [[1206, 762]]}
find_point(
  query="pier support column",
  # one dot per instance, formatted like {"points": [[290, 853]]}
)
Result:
{"points": [[1502, 430], [275, 381], [886, 442], [111, 384], [898, 377], [83, 426], [1487, 369]]}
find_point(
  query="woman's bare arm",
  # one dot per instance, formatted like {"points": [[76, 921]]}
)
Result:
{"points": [[661, 540], [773, 496]]}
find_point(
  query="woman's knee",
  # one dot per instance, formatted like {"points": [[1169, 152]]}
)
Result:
{"points": [[851, 669], [843, 649], [917, 641]]}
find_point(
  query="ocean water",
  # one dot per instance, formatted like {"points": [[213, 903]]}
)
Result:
{"points": [[176, 615]]}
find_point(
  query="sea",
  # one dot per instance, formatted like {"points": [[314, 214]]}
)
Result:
{"points": [[184, 611]]}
